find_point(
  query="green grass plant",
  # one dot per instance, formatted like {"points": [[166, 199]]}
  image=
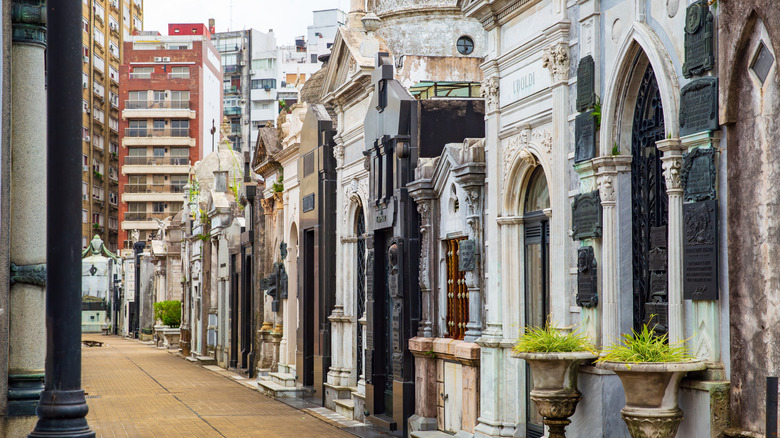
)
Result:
{"points": [[550, 339], [645, 347]]}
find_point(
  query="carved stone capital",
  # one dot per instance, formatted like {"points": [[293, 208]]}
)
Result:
{"points": [[490, 92], [606, 184], [556, 59], [672, 173], [338, 154]]}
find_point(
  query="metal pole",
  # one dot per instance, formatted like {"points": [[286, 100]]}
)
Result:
{"points": [[771, 407], [138, 247], [63, 409]]}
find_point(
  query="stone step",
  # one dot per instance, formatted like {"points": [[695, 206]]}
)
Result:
{"points": [[430, 434], [264, 378], [206, 360], [272, 389], [283, 379], [345, 407]]}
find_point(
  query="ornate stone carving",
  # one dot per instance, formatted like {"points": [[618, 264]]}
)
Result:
{"points": [[672, 166], [490, 92], [520, 141], [544, 138], [354, 192], [653, 426], [338, 154], [528, 158], [606, 189], [556, 59], [424, 208], [29, 274], [28, 20]]}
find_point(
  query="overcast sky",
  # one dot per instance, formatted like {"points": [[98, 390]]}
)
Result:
{"points": [[288, 18]]}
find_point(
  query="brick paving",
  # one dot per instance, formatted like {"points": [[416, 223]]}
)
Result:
{"points": [[137, 390]]}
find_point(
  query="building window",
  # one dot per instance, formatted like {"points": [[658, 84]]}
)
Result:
{"points": [[136, 128], [100, 65], [97, 218], [99, 10], [179, 73], [112, 198], [85, 25], [158, 152], [180, 128], [158, 207], [178, 182], [457, 293], [85, 133], [142, 73], [158, 125], [84, 190], [263, 83], [84, 216], [85, 52], [100, 39], [314, 58], [97, 193], [762, 62], [113, 148], [158, 96], [180, 156], [465, 45], [113, 49]]}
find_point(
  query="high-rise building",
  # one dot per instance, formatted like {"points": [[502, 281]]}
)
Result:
{"points": [[249, 68], [170, 99], [106, 25]]}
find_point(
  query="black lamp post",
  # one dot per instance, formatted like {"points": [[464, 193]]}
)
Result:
{"points": [[63, 409]]}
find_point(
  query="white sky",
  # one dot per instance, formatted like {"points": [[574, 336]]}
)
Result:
{"points": [[288, 18]]}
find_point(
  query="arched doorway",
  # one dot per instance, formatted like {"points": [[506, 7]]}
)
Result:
{"points": [[537, 274], [649, 208]]}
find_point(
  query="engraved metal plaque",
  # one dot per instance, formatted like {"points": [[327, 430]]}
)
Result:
{"points": [[658, 237], [586, 217], [307, 203], [699, 106], [699, 52], [700, 250], [587, 278], [657, 259], [585, 133], [698, 175], [586, 79], [467, 255]]}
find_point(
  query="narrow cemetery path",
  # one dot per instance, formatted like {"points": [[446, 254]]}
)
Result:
{"points": [[136, 390]]}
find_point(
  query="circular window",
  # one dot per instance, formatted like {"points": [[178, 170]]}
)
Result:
{"points": [[465, 45]]}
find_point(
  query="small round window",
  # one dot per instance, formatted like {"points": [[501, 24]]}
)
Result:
{"points": [[465, 45]]}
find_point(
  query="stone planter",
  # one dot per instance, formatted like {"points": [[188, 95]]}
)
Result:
{"points": [[651, 389], [555, 386], [158, 333], [171, 337]]}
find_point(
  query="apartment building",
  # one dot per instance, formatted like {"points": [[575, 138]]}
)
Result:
{"points": [[106, 24], [171, 106], [249, 70]]}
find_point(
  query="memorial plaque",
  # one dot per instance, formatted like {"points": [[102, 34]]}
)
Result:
{"points": [[659, 285], [307, 203], [586, 216], [398, 366], [698, 175], [585, 133], [699, 106], [467, 255], [699, 52], [657, 258], [369, 366], [658, 237], [587, 278], [700, 250], [586, 79]]}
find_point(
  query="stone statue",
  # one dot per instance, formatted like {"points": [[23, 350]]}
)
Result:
{"points": [[96, 247]]}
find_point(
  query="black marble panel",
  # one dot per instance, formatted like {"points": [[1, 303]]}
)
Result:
{"points": [[699, 106], [467, 255], [586, 79], [699, 51], [700, 250], [585, 134], [587, 278], [698, 175], [586, 216]]}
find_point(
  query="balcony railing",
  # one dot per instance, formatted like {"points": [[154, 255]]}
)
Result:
{"points": [[154, 161], [151, 104], [232, 110], [154, 188], [231, 90], [146, 132], [144, 216], [179, 75], [230, 68], [144, 75]]}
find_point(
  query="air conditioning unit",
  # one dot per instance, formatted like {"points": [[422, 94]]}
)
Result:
{"points": [[166, 59], [87, 110], [86, 139], [85, 85], [157, 59], [84, 197], [242, 102], [85, 58], [251, 72], [86, 169]]}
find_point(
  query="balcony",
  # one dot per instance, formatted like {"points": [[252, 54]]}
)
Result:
{"points": [[154, 188], [146, 216], [166, 132], [157, 161], [145, 75], [232, 111], [151, 109], [185, 75], [153, 104], [231, 69], [231, 90]]}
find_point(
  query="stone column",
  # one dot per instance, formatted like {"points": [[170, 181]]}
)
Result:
{"points": [[27, 302], [610, 323], [557, 60], [672, 163], [425, 197]]}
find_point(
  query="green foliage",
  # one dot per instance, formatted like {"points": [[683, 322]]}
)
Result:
{"points": [[615, 149], [97, 174], [168, 312], [645, 346], [278, 186], [550, 339], [96, 226], [283, 106], [596, 113]]}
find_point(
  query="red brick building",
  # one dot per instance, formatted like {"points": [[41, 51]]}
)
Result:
{"points": [[170, 97]]}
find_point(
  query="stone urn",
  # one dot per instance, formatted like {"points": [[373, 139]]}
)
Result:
{"points": [[651, 389], [555, 386]]}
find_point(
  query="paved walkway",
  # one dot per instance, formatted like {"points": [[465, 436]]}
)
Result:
{"points": [[136, 390]]}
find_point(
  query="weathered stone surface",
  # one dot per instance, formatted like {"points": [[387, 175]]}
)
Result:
{"points": [[753, 157]]}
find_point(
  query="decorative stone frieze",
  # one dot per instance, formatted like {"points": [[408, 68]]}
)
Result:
{"points": [[556, 59], [490, 92]]}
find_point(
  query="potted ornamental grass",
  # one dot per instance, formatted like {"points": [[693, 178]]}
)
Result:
{"points": [[650, 369], [554, 356]]}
